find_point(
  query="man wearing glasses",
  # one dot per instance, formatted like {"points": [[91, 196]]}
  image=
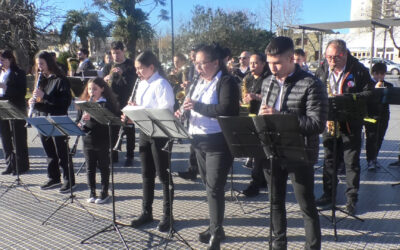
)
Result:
{"points": [[343, 74], [244, 62]]}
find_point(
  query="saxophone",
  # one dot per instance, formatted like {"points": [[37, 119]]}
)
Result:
{"points": [[244, 93], [331, 126]]}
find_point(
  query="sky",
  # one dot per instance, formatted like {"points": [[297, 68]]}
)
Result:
{"points": [[312, 11]]}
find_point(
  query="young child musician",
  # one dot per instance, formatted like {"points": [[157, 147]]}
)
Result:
{"points": [[95, 143]]}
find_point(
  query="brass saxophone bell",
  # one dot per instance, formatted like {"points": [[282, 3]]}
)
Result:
{"points": [[180, 96]]}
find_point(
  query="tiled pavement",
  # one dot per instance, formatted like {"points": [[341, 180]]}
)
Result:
{"points": [[21, 214]]}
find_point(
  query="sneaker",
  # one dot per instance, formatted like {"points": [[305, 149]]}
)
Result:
{"points": [[144, 218], [91, 200], [395, 164], [325, 201], [251, 191], [377, 164], [65, 187], [188, 175], [50, 183], [103, 199], [371, 166], [204, 237], [248, 164], [351, 207]]}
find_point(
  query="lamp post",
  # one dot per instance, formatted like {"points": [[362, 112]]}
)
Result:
{"points": [[172, 30]]}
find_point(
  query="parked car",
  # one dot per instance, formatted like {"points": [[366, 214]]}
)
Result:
{"points": [[392, 67]]}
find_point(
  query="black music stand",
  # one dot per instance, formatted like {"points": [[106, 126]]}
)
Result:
{"points": [[161, 123], [105, 117], [10, 113], [345, 107], [276, 137], [54, 126]]}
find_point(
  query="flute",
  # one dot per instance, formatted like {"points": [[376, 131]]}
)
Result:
{"points": [[32, 105], [121, 132]]}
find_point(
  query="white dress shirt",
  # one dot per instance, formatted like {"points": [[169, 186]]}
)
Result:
{"points": [[205, 92], [336, 78], [3, 78], [155, 93]]}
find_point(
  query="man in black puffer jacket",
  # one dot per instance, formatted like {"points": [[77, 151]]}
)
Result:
{"points": [[291, 90], [349, 76]]}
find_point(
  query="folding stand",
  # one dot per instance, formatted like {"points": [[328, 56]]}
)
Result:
{"points": [[161, 123], [105, 117], [54, 126], [11, 113], [275, 137], [342, 108]]}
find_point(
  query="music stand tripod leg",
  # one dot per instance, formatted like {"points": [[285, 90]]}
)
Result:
{"points": [[114, 225], [83, 164], [235, 193], [17, 182]]}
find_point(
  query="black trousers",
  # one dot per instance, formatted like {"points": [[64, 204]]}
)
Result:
{"points": [[97, 159], [375, 133], [351, 145], [193, 167], [56, 149], [130, 140], [154, 162], [22, 158], [214, 161], [302, 178], [257, 173]]}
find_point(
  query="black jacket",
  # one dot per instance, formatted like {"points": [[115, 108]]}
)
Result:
{"points": [[358, 82], [16, 88], [228, 99], [306, 97], [254, 86], [57, 97], [377, 109], [122, 85]]}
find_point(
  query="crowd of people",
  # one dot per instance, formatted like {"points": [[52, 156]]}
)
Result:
{"points": [[208, 85]]}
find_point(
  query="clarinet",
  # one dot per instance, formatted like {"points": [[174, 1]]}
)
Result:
{"points": [[32, 105], [72, 152], [185, 113], [121, 132]]}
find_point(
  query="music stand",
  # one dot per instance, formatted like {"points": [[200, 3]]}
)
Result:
{"points": [[10, 113], [55, 126], [276, 137], [161, 123], [345, 107], [105, 117]]}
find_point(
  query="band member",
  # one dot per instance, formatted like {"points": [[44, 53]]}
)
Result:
{"points": [[342, 73], [301, 59], [153, 91], [13, 89], [243, 68], [291, 90], [120, 74], [215, 94], [84, 62], [375, 132], [178, 76], [251, 95], [53, 98], [96, 142]]}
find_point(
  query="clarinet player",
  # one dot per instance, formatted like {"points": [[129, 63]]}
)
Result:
{"points": [[53, 97]]}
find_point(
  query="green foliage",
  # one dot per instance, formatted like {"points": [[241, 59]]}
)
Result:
{"points": [[234, 30], [63, 56]]}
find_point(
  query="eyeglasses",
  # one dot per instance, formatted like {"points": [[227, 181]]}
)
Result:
{"points": [[201, 64], [335, 57], [242, 58]]}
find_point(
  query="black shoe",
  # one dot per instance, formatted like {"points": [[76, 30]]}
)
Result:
{"points": [[128, 162], [164, 224], [7, 171], [143, 219], [251, 191], [215, 243], [395, 164], [351, 207], [248, 164], [205, 236], [65, 187], [371, 166], [324, 201], [50, 183], [188, 175]]}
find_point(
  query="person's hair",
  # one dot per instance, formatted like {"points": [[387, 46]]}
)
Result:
{"points": [[115, 45], [299, 52], [181, 57], [338, 43], [84, 51], [148, 58], [8, 54], [108, 53], [379, 67], [107, 92], [53, 54], [279, 45], [262, 58], [226, 52], [51, 63], [214, 52]]}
